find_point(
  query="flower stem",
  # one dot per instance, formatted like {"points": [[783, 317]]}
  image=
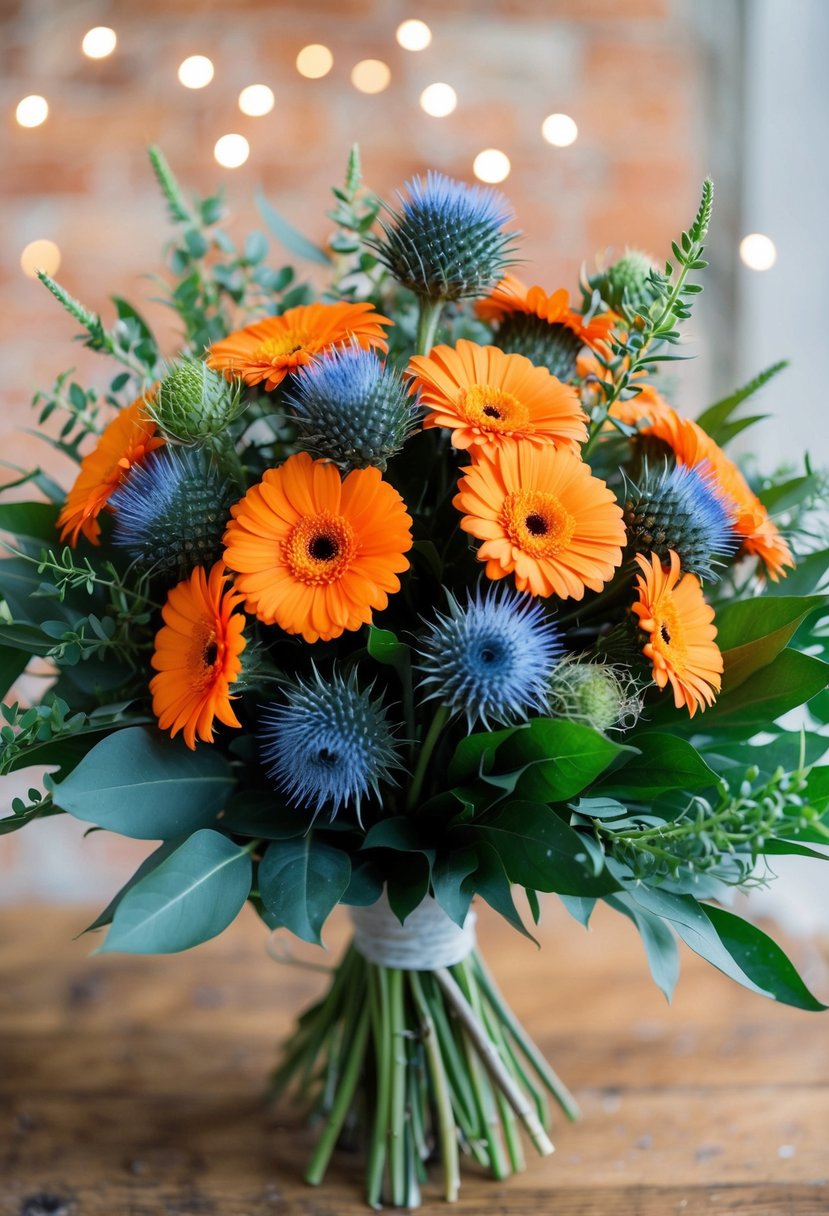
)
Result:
{"points": [[443, 1102], [438, 722], [342, 1103], [427, 324]]}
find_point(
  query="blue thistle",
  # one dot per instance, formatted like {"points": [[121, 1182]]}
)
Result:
{"points": [[553, 346], [681, 508], [447, 241], [330, 745], [492, 659], [171, 511], [352, 409]]}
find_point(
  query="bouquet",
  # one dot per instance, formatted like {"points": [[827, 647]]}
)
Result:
{"points": [[408, 594]]}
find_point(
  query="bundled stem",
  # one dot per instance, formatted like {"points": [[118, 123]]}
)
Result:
{"points": [[427, 1063]]}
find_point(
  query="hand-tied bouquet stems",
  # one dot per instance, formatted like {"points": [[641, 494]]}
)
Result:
{"points": [[414, 593]]}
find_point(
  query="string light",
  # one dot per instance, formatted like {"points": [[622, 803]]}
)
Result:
{"points": [[99, 42], [195, 72], [758, 251], [314, 61], [40, 255], [256, 100], [371, 75], [413, 35], [560, 130], [438, 100], [32, 110], [491, 166], [231, 151]]}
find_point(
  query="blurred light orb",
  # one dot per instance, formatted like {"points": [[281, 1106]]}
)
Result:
{"points": [[40, 255], [371, 75], [491, 166], [758, 251], [314, 61], [32, 110], [231, 151], [256, 100], [195, 72], [560, 130], [413, 35], [99, 42], [438, 100]]}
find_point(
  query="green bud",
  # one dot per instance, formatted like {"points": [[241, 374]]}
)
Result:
{"points": [[194, 404], [598, 694]]}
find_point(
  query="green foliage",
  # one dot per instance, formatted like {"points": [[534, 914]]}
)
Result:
{"points": [[300, 883], [751, 633], [189, 896], [142, 784], [129, 341], [717, 420]]}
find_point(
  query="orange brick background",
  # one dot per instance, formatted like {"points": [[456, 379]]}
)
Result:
{"points": [[636, 75]]}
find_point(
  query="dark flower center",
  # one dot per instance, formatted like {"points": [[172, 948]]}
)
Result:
{"points": [[536, 525], [491, 411], [323, 548], [327, 757], [666, 637], [211, 653]]}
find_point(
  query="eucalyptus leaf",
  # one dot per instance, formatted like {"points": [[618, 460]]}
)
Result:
{"points": [[300, 882], [452, 883], [657, 938], [191, 896], [494, 887], [142, 784], [288, 235], [761, 959], [147, 866]]}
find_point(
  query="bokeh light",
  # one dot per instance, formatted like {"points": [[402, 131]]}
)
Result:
{"points": [[438, 100], [491, 165], [40, 255], [314, 61], [231, 151], [758, 251], [256, 100], [195, 72], [99, 42], [560, 130], [32, 110], [413, 35], [371, 75]]}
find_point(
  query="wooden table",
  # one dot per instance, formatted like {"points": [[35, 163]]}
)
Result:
{"points": [[132, 1086]]}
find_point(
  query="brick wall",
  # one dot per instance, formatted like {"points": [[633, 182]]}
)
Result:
{"points": [[628, 71]]}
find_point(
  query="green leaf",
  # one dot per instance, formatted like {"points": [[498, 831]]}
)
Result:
{"points": [[142, 784], [452, 884], [791, 679], [300, 882], [539, 850], [147, 866], [761, 959], [384, 647], [288, 235], [33, 520], [751, 633], [658, 940], [13, 663], [783, 495], [365, 885], [493, 886], [256, 247], [555, 759], [190, 897], [475, 753], [784, 848], [262, 816], [713, 419], [580, 909], [665, 762], [810, 574]]}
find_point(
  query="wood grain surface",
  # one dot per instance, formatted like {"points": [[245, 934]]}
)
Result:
{"points": [[133, 1086]]}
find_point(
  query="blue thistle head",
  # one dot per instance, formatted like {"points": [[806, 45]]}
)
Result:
{"points": [[447, 240], [492, 659], [681, 508], [352, 409], [330, 745], [171, 511]]}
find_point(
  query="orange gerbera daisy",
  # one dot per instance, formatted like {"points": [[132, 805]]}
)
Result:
{"points": [[512, 296], [691, 445], [197, 656], [542, 515], [315, 554], [126, 441], [489, 398], [268, 350], [673, 612]]}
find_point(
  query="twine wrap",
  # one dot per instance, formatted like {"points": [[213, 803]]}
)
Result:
{"points": [[426, 941]]}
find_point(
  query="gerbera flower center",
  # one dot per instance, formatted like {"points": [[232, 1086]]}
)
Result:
{"points": [[206, 653], [537, 522], [493, 409], [668, 637], [320, 548], [287, 349]]}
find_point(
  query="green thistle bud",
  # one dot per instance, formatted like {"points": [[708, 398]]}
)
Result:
{"points": [[680, 508], [626, 281], [194, 404], [352, 409], [172, 510], [600, 695], [552, 346]]}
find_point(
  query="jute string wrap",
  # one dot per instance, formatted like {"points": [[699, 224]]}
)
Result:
{"points": [[426, 941]]}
